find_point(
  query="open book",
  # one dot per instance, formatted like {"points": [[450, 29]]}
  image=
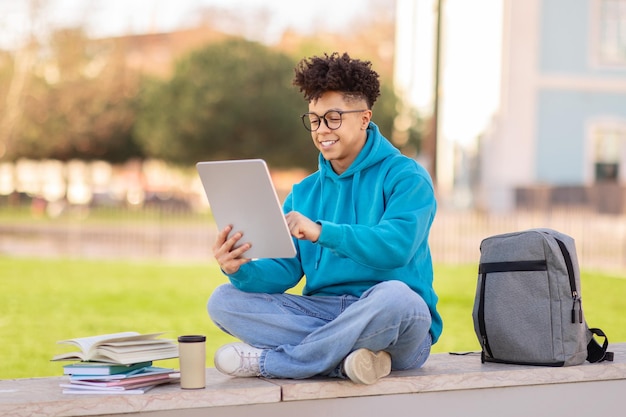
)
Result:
{"points": [[122, 348]]}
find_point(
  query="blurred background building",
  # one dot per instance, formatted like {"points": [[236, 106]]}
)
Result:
{"points": [[520, 107], [531, 96]]}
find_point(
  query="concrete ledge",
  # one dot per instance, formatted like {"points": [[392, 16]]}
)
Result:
{"points": [[43, 397], [445, 372], [450, 377]]}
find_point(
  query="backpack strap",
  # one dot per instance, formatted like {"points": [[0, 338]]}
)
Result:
{"points": [[595, 352]]}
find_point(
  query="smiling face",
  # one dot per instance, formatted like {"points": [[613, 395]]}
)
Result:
{"points": [[340, 146]]}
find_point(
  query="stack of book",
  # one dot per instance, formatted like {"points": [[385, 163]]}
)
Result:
{"points": [[116, 379], [118, 363]]}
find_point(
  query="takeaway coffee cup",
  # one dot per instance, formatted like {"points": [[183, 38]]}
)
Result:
{"points": [[192, 358]]}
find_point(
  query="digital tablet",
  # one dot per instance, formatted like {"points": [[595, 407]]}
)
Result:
{"points": [[241, 193]]}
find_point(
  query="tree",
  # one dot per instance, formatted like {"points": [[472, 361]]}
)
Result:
{"points": [[15, 76], [80, 102], [229, 100]]}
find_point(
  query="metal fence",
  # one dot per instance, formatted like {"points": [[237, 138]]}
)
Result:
{"points": [[455, 237], [600, 239]]}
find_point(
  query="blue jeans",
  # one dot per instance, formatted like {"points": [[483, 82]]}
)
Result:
{"points": [[303, 336]]}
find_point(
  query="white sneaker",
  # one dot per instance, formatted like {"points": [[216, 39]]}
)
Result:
{"points": [[238, 359], [366, 367]]}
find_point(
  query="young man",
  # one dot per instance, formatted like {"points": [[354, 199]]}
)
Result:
{"points": [[361, 226]]}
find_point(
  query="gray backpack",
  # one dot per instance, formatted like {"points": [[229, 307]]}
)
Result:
{"points": [[528, 307]]}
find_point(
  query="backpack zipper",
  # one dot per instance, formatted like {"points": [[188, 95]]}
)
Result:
{"points": [[481, 316], [572, 282]]}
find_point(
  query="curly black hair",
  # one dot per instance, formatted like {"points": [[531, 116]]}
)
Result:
{"points": [[352, 77]]}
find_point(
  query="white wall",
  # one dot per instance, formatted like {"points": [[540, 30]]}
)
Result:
{"points": [[507, 154]]}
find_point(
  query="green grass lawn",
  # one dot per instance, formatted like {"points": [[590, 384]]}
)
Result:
{"points": [[43, 301]]}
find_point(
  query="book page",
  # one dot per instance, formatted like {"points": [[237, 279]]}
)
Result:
{"points": [[155, 342], [136, 348], [86, 343], [89, 345], [130, 337]]}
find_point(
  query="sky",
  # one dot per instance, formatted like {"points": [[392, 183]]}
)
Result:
{"points": [[117, 17]]}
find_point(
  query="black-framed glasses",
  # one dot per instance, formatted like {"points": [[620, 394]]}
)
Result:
{"points": [[332, 118]]}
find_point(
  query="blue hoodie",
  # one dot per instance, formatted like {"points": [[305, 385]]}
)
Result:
{"points": [[375, 217]]}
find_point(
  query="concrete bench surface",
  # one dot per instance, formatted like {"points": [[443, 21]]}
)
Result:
{"points": [[442, 374]]}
